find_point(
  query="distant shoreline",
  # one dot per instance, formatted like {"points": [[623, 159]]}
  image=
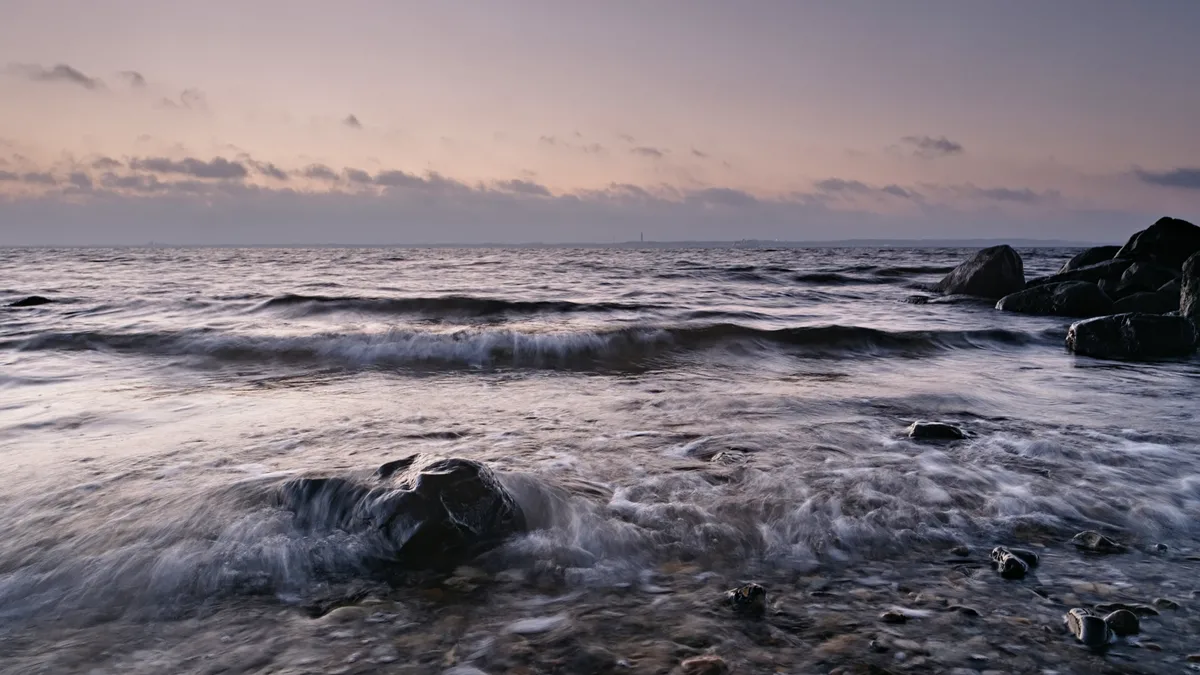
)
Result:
{"points": [[740, 244]]}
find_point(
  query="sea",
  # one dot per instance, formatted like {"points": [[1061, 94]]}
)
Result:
{"points": [[675, 421]]}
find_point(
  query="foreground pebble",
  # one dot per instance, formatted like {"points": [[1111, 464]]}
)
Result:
{"points": [[1123, 622], [708, 664], [1096, 543], [749, 600], [1088, 628]]}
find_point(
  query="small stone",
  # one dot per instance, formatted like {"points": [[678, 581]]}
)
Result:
{"points": [[877, 646], [1193, 658], [1096, 543], [347, 614], [1160, 548], [935, 431], [31, 301], [961, 551], [1123, 622], [892, 616], [592, 661], [1165, 603], [709, 664], [1028, 557], [541, 624], [1008, 564], [1152, 646], [965, 610], [1088, 628], [749, 600], [1138, 609]]}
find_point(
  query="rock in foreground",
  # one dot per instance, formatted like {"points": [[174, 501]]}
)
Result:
{"points": [[1107, 271], [1068, 298], [1169, 242], [1132, 336], [992, 272], [1189, 294], [935, 431], [1097, 254], [31, 301], [419, 512]]}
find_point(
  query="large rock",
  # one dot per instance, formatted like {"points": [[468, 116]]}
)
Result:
{"points": [[1068, 298], [1189, 292], [1091, 256], [992, 272], [1132, 336], [1158, 302], [31, 301], [1143, 277], [1110, 269], [1169, 242], [419, 512]]}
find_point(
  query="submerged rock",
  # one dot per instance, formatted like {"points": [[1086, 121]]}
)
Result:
{"points": [[1132, 336], [1009, 565], [31, 301], [992, 272], [1169, 242], [1088, 628], [1165, 603], [419, 512], [1189, 293], [1137, 609], [935, 431], [1123, 623], [708, 664], [1067, 298], [1096, 543], [1091, 256], [748, 600]]}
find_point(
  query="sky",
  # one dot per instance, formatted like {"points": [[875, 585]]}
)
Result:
{"points": [[397, 122]]}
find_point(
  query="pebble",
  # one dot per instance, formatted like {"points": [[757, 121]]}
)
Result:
{"points": [[540, 624], [1165, 603], [965, 610], [1140, 610], [892, 616], [709, 664], [1088, 628], [961, 551], [1009, 565], [936, 431], [1095, 542], [463, 670], [1123, 622], [750, 599], [1193, 658]]}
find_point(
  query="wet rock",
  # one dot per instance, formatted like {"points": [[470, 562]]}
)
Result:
{"points": [[708, 664], [1189, 294], [1091, 256], [1123, 622], [1028, 557], [917, 299], [419, 512], [1156, 302], [1143, 277], [1165, 603], [1095, 542], [1168, 242], [893, 616], [992, 272], [1009, 565], [965, 611], [961, 551], [1088, 628], [1067, 298], [535, 625], [748, 600], [1105, 271], [935, 431], [591, 661], [31, 301], [1193, 658], [1138, 609], [1132, 336]]}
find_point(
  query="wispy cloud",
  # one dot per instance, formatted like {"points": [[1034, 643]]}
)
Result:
{"points": [[1185, 178], [106, 163], [133, 78], [523, 187], [841, 185], [58, 73], [189, 99], [319, 172], [699, 153], [352, 122], [930, 147], [647, 151], [268, 169], [216, 168]]}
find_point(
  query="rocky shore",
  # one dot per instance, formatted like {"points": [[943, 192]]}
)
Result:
{"points": [[1138, 301]]}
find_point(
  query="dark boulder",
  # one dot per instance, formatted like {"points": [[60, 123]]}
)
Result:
{"points": [[31, 301], [1143, 277], [420, 512], [1189, 293], [1169, 242], [935, 431], [1110, 269], [1091, 256], [1158, 302], [1132, 336], [992, 272], [1068, 298]]}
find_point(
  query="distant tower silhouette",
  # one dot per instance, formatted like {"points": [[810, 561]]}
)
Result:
{"points": [[643, 236]]}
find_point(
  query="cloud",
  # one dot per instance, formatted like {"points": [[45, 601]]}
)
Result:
{"points": [[189, 99], [724, 197], [268, 169], [59, 73], [9, 176], [319, 172], [218, 167], [548, 140], [897, 191], [398, 179], [700, 154], [1186, 178], [626, 138], [105, 163], [1020, 196], [523, 187], [840, 185], [80, 180], [133, 78], [39, 178], [358, 176], [930, 147], [352, 122], [647, 151]]}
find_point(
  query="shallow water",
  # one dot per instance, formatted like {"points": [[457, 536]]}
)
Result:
{"points": [[672, 420]]}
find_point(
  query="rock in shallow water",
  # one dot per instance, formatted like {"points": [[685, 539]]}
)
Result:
{"points": [[419, 512], [709, 664], [1008, 565], [1067, 298], [1132, 336], [1123, 623], [31, 301], [935, 431], [1169, 242], [1144, 277], [1096, 543], [748, 600], [1157, 302], [1109, 270], [1189, 294], [1091, 256], [1088, 628], [992, 272]]}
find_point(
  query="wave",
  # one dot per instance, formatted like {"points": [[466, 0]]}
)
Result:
{"points": [[442, 305], [830, 278], [633, 347]]}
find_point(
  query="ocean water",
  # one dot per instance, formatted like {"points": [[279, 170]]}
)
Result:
{"points": [[737, 412]]}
